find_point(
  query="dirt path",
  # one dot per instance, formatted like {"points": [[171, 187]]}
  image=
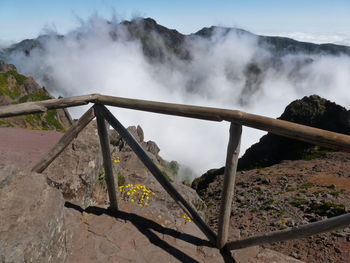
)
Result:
{"points": [[23, 147]]}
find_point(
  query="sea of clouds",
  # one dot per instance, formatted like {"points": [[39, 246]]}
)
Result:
{"points": [[87, 60]]}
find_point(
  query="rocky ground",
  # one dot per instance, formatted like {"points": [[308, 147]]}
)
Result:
{"points": [[70, 222], [289, 194]]}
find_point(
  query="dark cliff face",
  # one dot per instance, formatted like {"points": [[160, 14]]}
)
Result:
{"points": [[312, 111]]}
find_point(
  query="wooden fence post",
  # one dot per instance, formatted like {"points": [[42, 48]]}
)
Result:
{"points": [[107, 161], [229, 183], [146, 160]]}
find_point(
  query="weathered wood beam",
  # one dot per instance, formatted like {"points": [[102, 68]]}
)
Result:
{"points": [[294, 233], [288, 129], [229, 183], [42, 106], [316, 136], [146, 160], [107, 160], [66, 139]]}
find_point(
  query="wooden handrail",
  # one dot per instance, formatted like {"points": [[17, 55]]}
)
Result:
{"points": [[237, 118], [308, 134]]}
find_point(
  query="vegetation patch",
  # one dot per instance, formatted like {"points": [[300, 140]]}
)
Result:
{"points": [[167, 176], [121, 179], [306, 186], [14, 92], [328, 209], [35, 96], [136, 193], [6, 123], [298, 202], [314, 153], [267, 204]]}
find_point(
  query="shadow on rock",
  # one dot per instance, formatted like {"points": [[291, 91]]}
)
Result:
{"points": [[146, 227]]}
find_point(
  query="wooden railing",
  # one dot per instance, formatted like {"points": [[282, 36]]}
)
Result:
{"points": [[236, 118]]}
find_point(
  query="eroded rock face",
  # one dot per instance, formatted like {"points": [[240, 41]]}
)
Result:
{"points": [[32, 217], [76, 170], [312, 111]]}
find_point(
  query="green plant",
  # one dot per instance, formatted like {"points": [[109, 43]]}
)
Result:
{"points": [[297, 201], [328, 209], [136, 193], [101, 175], [267, 204], [187, 218], [174, 167], [167, 176], [121, 179], [6, 123], [306, 186]]}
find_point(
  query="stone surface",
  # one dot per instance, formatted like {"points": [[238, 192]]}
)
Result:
{"points": [[77, 168], [33, 219], [290, 194]]}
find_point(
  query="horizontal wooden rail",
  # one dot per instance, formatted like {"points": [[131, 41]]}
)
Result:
{"points": [[44, 105], [316, 136], [288, 129], [294, 233]]}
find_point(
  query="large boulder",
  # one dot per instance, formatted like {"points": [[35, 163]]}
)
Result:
{"points": [[77, 168], [33, 219], [312, 111]]}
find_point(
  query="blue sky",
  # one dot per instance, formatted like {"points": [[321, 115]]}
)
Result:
{"points": [[24, 19]]}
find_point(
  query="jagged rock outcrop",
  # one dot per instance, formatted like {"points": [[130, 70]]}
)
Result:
{"points": [[16, 88], [76, 170], [34, 222], [312, 111]]}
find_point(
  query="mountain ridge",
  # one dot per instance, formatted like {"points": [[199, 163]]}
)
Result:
{"points": [[277, 44]]}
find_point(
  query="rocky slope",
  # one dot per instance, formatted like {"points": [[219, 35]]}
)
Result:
{"points": [[69, 221], [274, 193], [271, 149], [16, 88], [289, 194]]}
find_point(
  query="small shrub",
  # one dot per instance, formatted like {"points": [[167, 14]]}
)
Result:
{"points": [[121, 179], [167, 176], [101, 175], [267, 204], [297, 201], [136, 193], [306, 186], [174, 167]]}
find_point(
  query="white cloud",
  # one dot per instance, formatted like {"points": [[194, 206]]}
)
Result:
{"points": [[318, 38], [88, 61]]}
